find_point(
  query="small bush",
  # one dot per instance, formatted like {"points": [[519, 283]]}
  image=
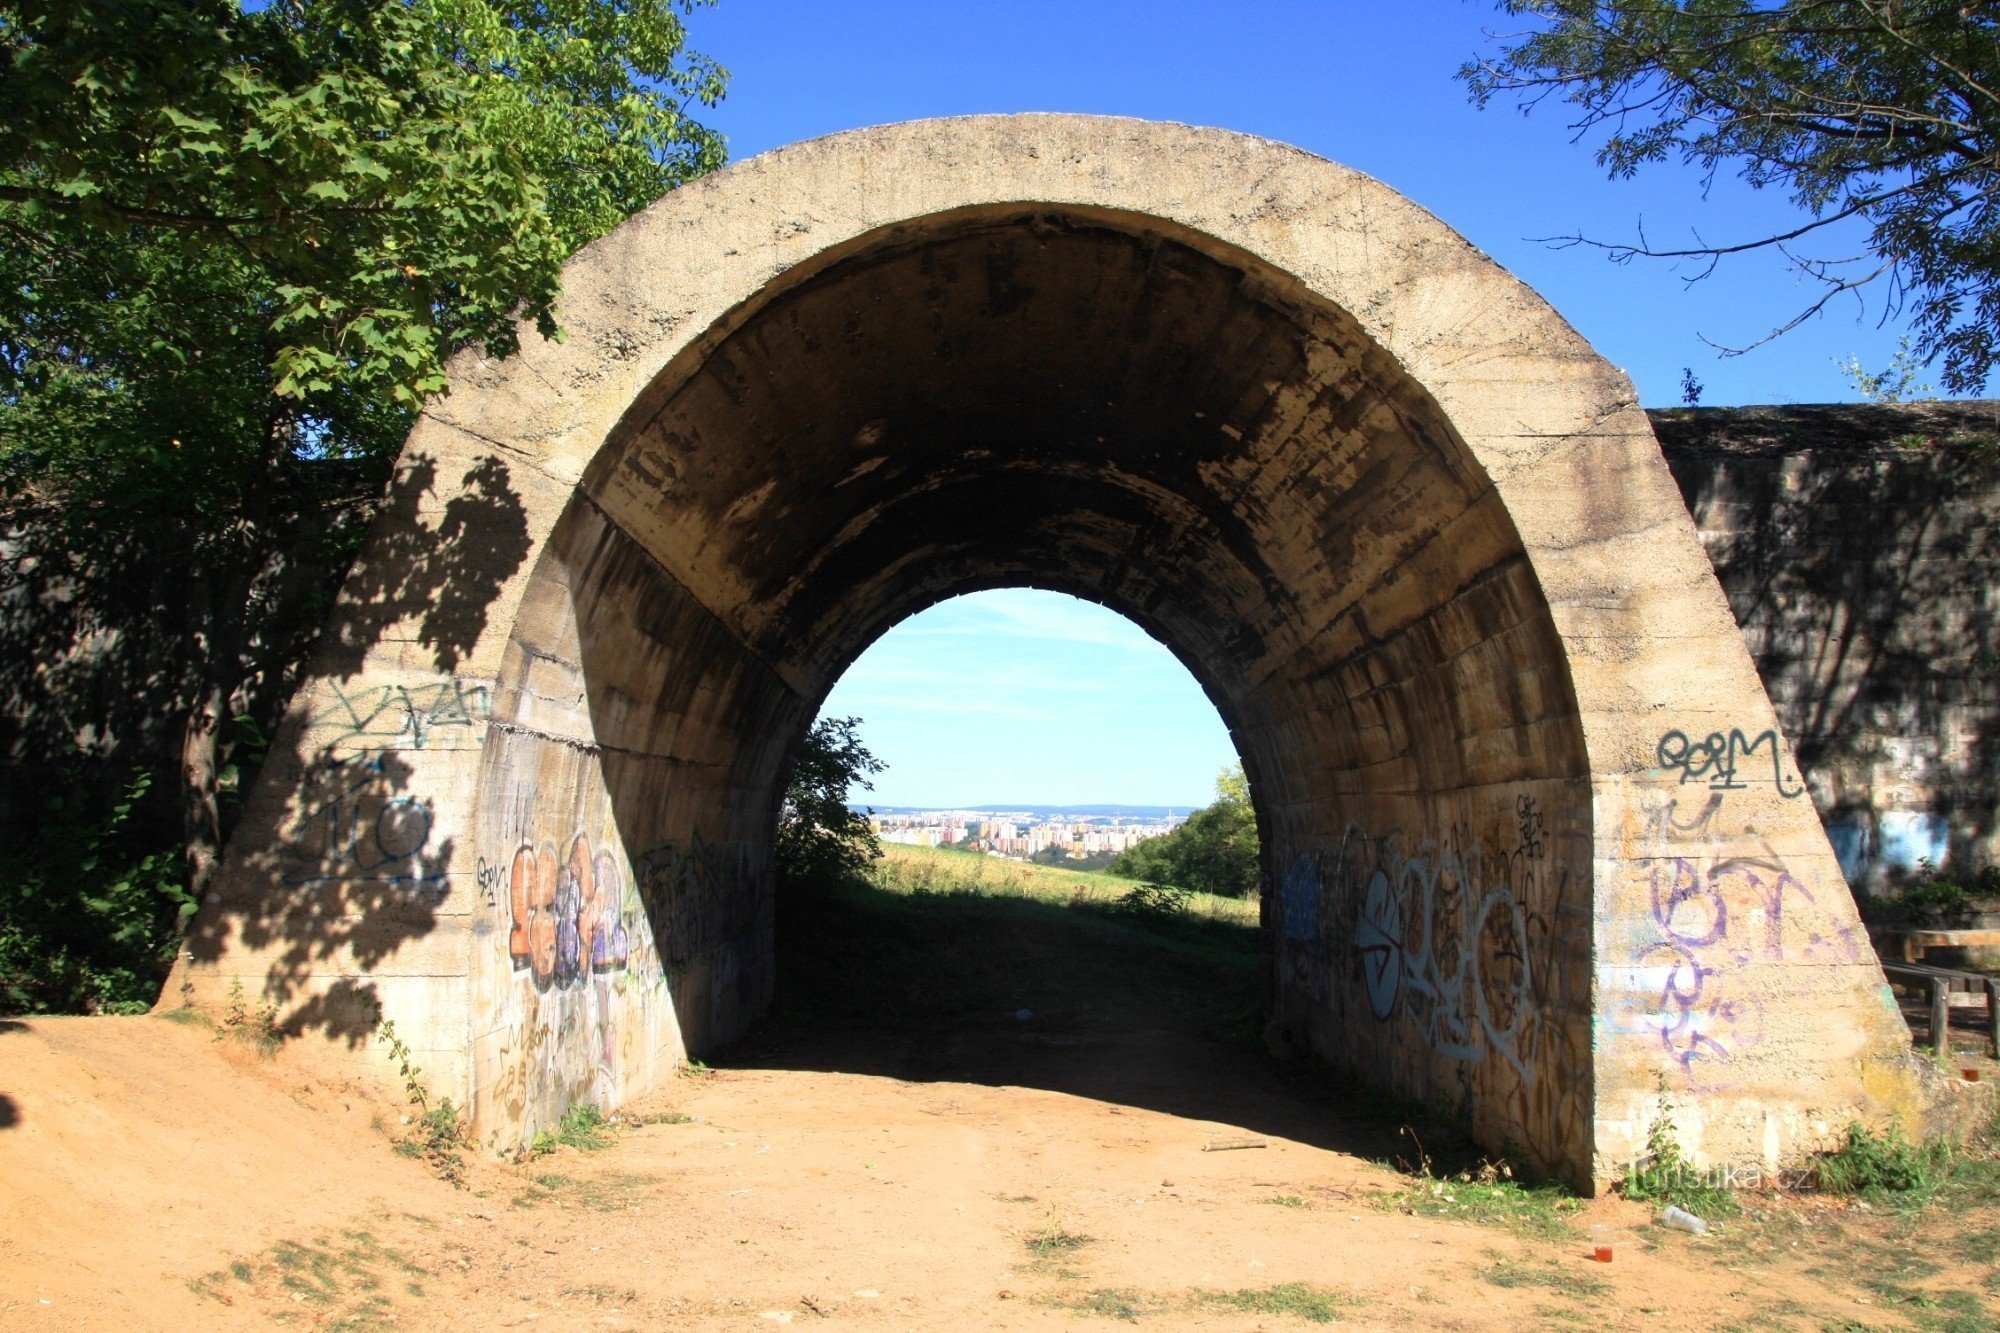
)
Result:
{"points": [[1155, 901], [1871, 1166], [258, 1027], [93, 899], [1934, 895], [582, 1127]]}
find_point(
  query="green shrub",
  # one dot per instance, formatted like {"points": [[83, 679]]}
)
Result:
{"points": [[91, 903], [1154, 901], [1214, 851], [1872, 1166], [1932, 894]]}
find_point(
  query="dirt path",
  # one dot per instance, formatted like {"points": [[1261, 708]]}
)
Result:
{"points": [[899, 1147], [155, 1178]]}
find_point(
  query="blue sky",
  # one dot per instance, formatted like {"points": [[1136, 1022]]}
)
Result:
{"points": [[1032, 697], [1025, 696]]}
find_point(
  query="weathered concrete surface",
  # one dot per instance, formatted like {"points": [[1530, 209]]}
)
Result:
{"points": [[1535, 846], [1860, 550]]}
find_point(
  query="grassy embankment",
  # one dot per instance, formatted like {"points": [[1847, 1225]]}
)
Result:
{"points": [[938, 938], [919, 870]]}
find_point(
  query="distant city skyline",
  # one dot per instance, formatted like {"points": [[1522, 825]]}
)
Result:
{"points": [[1041, 697]]}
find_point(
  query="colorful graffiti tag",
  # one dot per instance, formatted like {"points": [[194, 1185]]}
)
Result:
{"points": [[567, 916]]}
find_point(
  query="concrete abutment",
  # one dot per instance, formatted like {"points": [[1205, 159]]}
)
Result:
{"points": [[1535, 848]]}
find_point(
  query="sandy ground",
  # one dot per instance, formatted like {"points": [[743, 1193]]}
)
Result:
{"points": [[154, 1177]]}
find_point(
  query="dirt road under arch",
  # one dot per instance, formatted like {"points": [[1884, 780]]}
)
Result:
{"points": [[897, 1148]]}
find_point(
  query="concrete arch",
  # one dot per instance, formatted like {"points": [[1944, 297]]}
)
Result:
{"points": [[1535, 847]]}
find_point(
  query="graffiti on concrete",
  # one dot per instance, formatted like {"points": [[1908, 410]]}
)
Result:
{"points": [[353, 828], [567, 915], [1717, 758], [1444, 935], [1903, 841], [385, 717], [1299, 896], [693, 894], [1711, 911], [1911, 839], [1463, 949], [571, 1006]]}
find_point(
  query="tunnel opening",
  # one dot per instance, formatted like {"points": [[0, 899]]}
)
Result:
{"points": [[1101, 404], [981, 947]]}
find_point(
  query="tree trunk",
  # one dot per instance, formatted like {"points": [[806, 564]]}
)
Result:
{"points": [[201, 803]]}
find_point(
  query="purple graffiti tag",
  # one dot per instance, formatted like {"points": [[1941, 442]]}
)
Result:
{"points": [[1692, 910]]}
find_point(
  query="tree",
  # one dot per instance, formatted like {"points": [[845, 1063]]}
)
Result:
{"points": [[822, 840], [1215, 851], [1883, 113], [236, 249]]}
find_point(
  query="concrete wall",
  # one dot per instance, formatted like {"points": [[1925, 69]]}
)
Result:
{"points": [[1413, 537], [1860, 550]]}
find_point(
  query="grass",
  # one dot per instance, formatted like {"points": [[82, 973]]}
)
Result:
{"points": [[344, 1280], [1286, 1300], [924, 871], [1487, 1198], [1552, 1277], [1296, 1300], [939, 939], [609, 1192], [1884, 1168], [582, 1127], [1113, 1303], [664, 1118], [1053, 1241]]}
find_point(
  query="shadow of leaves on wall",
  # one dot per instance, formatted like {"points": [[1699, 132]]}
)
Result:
{"points": [[339, 865], [1851, 541], [440, 569], [339, 882]]}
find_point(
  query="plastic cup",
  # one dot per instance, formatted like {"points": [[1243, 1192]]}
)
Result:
{"points": [[1603, 1255]]}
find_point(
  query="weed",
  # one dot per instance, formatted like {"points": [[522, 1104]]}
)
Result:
{"points": [[582, 1127], [1980, 1247], [665, 1118], [1668, 1177], [258, 1027], [1884, 1167], [610, 1192], [1112, 1303], [1489, 1195], [436, 1135], [1297, 1300], [1053, 1240], [1288, 1201], [342, 1280]]}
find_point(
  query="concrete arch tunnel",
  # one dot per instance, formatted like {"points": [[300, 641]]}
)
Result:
{"points": [[1535, 851]]}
